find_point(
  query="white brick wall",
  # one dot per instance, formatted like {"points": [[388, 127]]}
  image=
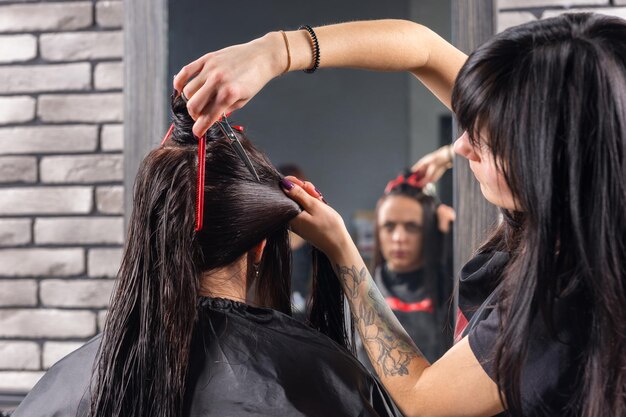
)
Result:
{"points": [[104, 262], [48, 139], [610, 11], [509, 19], [55, 351], [19, 355], [15, 232], [18, 169], [516, 12], [83, 169], [45, 17], [525, 4], [93, 230], [109, 75], [17, 48], [112, 137], [45, 200], [28, 262], [110, 200], [16, 109], [78, 293], [18, 381], [18, 292], [81, 108], [40, 78], [46, 323], [109, 14], [81, 45], [61, 172]]}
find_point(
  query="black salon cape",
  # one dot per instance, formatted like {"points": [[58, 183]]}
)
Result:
{"points": [[551, 369], [245, 361], [425, 327]]}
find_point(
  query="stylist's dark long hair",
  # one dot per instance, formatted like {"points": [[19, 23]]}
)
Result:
{"points": [[143, 358], [549, 99]]}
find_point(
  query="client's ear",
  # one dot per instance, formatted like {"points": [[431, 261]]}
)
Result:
{"points": [[257, 251]]}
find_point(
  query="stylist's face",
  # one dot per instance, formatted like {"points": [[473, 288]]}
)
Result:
{"points": [[400, 221], [491, 180]]}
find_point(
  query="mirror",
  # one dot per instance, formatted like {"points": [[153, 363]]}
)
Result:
{"points": [[349, 131]]}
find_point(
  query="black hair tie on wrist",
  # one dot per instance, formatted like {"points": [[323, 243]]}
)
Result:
{"points": [[316, 49]]}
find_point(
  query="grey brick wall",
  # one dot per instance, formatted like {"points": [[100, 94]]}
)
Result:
{"points": [[61, 192], [516, 12]]}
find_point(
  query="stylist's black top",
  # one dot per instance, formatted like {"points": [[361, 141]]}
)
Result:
{"points": [[245, 361], [550, 370]]}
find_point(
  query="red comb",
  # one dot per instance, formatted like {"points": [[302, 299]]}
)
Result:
{"points": [[200, 184], [167, 135]]}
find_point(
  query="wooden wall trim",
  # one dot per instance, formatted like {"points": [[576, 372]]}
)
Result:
{"points": [[473, 22], [145, 84]]}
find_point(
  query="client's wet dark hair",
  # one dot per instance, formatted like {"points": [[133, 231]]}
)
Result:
{"points": [[142, 364]]}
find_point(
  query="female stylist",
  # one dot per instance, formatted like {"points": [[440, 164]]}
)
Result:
{"points": [[544, 109]]}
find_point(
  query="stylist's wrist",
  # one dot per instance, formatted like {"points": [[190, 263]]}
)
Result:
{"points": [[273, 47], [343, 249]]}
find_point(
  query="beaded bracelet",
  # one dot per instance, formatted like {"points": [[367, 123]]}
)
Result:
{"points": [[316, 49]]}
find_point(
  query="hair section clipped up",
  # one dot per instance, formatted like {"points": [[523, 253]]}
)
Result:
{"points": [[142, 364]]}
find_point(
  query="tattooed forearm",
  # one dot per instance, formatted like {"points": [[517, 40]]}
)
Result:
{"points": [[390, 349], [353, 277]]}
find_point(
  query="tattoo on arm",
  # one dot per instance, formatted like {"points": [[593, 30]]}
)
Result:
{"points": [[355, 279], [392, 349]]}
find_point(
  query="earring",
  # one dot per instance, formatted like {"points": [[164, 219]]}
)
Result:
{"points": [[256, 270]]}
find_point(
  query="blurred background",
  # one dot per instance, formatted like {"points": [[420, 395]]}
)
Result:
{"points": [[67, 157]]}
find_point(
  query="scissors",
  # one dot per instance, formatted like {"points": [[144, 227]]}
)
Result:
{"points": [[236, 144]]}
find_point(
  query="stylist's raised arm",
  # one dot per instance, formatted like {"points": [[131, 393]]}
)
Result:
{"points": [[225, 80], [455, 385]]}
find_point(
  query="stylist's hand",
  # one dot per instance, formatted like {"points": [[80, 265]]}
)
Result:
{"points": [[318, 223], [432, 166], [445, 217], [225, 80]]}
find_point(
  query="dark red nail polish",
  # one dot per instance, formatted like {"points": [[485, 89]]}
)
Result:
{"points": [[318, 191], [176, 93], [286, 184], [238, 128]]}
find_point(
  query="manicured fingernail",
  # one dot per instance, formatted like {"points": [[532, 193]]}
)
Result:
{"points": [[176, 93], [318, 191], [228, 114], [323, 200], [286, 184], [239, 128]]}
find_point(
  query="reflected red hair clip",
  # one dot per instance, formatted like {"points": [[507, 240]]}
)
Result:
{"points": [[412, 180]]}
